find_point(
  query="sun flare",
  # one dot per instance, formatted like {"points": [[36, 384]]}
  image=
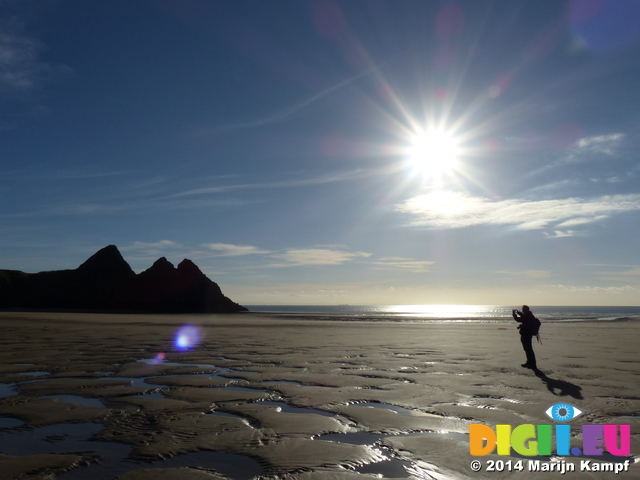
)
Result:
{"points": [[433, 153]]}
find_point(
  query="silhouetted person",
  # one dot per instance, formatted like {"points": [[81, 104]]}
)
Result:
{"points": [[528, 327]]}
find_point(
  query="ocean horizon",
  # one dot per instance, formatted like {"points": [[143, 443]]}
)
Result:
{"points": [[470, 313]]}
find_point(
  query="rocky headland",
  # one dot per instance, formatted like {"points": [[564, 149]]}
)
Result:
{"points": [[106, 282]]}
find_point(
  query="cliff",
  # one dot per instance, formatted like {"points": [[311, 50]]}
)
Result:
{"points": [[106, 282]]}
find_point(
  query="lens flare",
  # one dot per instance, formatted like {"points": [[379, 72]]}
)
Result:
{"points": [[187, 337], [157, 359]]}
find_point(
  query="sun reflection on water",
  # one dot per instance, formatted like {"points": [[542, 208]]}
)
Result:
{"points": [[445, 311]]}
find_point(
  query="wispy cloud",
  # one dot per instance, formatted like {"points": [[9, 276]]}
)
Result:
{"points": [[287, 258], [534, 274], [597, 289], [155, 193], [581, 220], [401, 263], [560, 233], [152, 248], [80, 175], [21, 68], [315, 256], [610, 265], [290, 110], [140, 255], [600, 144], [600, 141], [230, 250], [110, 207], [299, 182], [457, 210], [635, 272], [632, 275], [159, 244]]}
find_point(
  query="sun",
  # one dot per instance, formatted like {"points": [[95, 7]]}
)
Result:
{"points": [[433, 152]]}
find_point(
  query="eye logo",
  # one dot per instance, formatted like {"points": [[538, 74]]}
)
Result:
{"points": [[563, 412]]}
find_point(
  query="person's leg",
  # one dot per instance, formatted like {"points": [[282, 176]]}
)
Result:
{"points": [[528, 350]]}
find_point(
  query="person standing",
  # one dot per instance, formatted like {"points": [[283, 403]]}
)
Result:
{"points": [[529, 326]]}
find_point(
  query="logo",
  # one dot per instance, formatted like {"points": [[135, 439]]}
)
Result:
{"points": [[545, 440], [563, 412]]}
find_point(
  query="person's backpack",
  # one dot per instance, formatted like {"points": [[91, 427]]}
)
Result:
{"points": [[534, 327]]}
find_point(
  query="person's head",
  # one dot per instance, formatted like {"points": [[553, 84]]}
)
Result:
{"points": [[525, 308]]}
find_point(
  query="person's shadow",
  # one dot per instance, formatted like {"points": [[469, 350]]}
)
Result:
{"points": [[559, 387]]}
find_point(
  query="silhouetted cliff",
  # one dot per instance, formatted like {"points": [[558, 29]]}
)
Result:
{"points": [[106, 282]]}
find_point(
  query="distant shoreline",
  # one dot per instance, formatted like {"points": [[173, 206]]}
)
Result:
{"points": [[316, 317], [444, 313], [410, 319]]}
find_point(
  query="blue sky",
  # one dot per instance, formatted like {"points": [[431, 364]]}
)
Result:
{"points": [[321, 152]]}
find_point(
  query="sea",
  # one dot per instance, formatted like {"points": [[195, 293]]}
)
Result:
{"points": [[444, 313]]}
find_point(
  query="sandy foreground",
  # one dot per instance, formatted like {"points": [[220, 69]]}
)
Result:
{"points": [[272, 398]]}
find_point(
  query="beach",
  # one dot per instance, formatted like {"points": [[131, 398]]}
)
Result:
{"points": [[265, 396]]}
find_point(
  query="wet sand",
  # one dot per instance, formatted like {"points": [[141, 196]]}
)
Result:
{"points": [[262, 396]]}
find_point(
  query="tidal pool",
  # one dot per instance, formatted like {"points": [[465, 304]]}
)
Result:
{"points": [[285, 407], [387, 406], [7, 389], [87, 402], [231, 465], [9, 422]]}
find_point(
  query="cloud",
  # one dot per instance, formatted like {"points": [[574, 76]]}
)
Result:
{"points": [[560, 233], [140, 254], [440, 209], [401, 263], [160, 244], [635, 272], [79, 175], [110, 207], [611, 265], [19, 63], [20, 66], [601, 144], [315, 256], [288, 258], [596, 290], [632, 275], [287, 112], [230, 250], [300, 182], [151, 248], [535, 274], [581, 221]]}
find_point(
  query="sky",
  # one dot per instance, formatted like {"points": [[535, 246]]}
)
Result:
{"points": [[326, 152]]}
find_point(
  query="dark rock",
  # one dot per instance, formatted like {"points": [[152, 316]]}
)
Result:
{"points": [[106, 264], [106, 282]]}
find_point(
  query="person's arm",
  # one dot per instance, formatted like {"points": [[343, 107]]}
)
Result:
{"points": [[517, 316]]}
